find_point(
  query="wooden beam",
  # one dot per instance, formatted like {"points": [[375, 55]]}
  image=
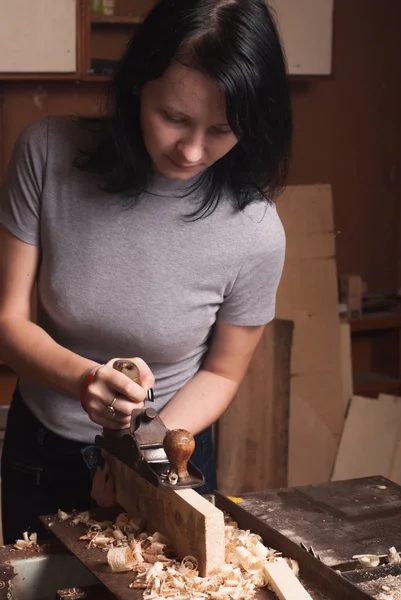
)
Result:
{"points": [[284, 582], [192, 524]]}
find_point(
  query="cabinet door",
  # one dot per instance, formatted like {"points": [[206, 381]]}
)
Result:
{"points": [[306, 28], [39, 36]]}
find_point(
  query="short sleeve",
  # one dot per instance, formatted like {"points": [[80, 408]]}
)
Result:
{"points": [[21, 191], [252, 298]]}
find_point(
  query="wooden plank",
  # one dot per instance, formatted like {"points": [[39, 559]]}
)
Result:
{"points": [[192, 524], [395, 467], [346, 362], [312, 236], [308, 286], [395, 471], [308, 295], [310, 436], [258, 419], [284, 582], [369, 439], [309, 355]]}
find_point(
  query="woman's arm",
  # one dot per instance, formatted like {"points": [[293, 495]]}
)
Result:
{"points": [[205, 397], [33, 354], [24, 346]]}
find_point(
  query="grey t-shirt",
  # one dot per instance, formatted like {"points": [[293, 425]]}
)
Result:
{"points": [[118, 281]]}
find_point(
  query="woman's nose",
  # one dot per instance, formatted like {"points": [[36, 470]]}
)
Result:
{"points": [[192, 149]]}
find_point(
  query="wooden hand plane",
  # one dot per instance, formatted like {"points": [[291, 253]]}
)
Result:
{"points": [[159, 455]]}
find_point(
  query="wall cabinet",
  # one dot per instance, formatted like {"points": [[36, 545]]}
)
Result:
{"points": [[39, 37], [306, 28], [63, 39]]}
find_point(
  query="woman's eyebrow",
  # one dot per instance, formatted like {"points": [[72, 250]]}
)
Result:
{"points": [[179, 113], [176, 111]]}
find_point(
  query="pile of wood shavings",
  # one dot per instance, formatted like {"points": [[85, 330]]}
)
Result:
{"points": [[389, 586], [28, 542], [162, 576]]}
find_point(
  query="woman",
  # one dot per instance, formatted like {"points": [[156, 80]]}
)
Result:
{"points": [[151, 235]]}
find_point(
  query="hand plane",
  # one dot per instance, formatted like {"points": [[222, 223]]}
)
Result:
{"points": [[159, 455]]}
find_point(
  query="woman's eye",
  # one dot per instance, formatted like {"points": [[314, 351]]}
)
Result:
{"points": [[172, 119], [222, 131]]}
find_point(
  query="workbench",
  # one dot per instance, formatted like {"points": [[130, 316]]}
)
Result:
{"points": [[320, 526]]}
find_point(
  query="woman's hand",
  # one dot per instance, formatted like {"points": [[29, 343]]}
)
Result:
{"points": [[108, 384]]}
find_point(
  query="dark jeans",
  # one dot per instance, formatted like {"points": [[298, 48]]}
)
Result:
{"points": [[42, 472]]}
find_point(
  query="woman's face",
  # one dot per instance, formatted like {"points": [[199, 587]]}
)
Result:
{"points": [[184, 122]]}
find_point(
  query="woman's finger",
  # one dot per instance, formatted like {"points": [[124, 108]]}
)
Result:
{"points": [[110, 420], [118, 382], [123, 407], [111, 387]]}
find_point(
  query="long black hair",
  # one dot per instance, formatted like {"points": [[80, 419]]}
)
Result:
{"points": [[236, 43]]}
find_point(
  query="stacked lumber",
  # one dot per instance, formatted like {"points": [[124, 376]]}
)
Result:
{"points": [[308, 296], [269, 439]]}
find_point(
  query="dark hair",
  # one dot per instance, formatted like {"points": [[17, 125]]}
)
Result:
{"points": [[236, 43]]}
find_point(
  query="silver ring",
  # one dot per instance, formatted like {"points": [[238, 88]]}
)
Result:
{"points": [[111, 408]]}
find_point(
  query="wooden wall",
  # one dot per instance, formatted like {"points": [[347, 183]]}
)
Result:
{"points": [[347, 133]]}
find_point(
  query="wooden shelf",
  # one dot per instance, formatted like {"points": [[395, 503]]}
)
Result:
{"points": [[372, 384], [39, 77], [96, 78], [115, 20], [376, 321]]}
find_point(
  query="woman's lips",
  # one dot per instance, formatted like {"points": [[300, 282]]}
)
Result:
{"points": [[182, 166]]}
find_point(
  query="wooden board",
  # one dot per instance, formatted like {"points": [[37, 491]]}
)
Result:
{"points": [[308, 296], [258, 419], [346, 362], [39, 36], [370, 437], [192, 524], [284, 582], [395, 470], [312, 439], [395, 466]]}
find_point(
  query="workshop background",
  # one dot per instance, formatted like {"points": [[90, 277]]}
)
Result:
{"points": [[320, 400]]}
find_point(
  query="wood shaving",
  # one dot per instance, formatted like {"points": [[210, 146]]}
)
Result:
{"points": [[394, 557], [62, 516], [72, 594], [373, 560], [161, 575], [28, 542], [367, 560]]}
